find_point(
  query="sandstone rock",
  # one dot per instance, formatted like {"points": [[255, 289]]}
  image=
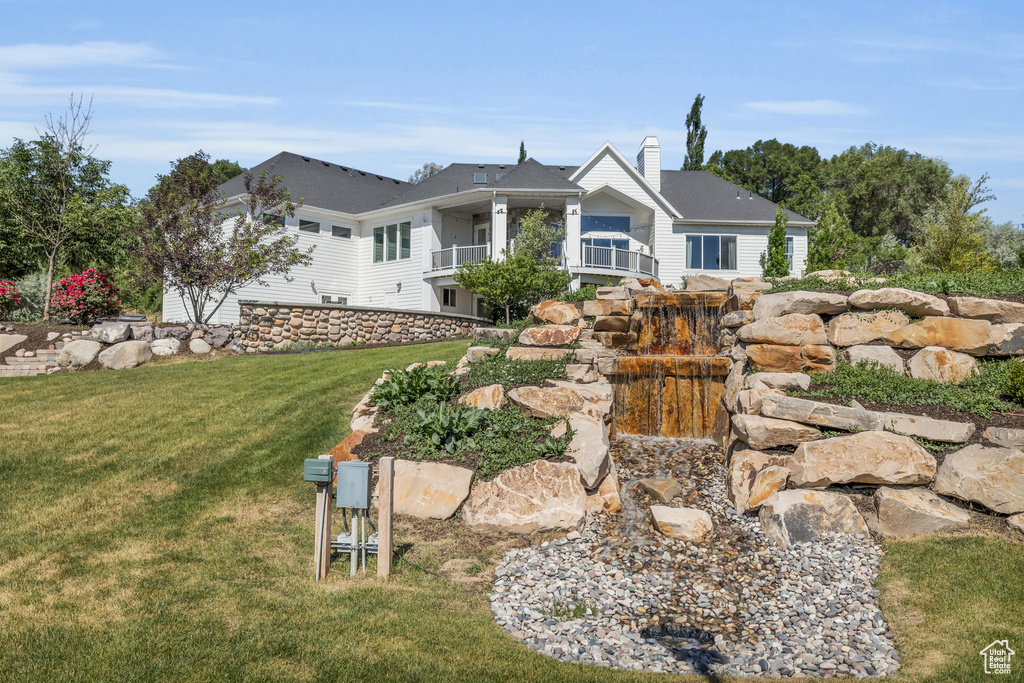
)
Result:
{"points": [[784, 303], [765, 432], [990, 476], [830, 275], [430, 490], [743, 468], [748, 401], [850, 329], [606, 293], [550, 335], [706, 283], [958, 334], [600, 307], [747, 285], [883, 355], [661, 490], [866, 458], [478, 353], [910, 302], [800, 516], [689, 524], [767, 483], [611, 323], [540, 496], [775, 358], [125, 355], [78, 353], [9, 341], [794, 329], [546, 402], [905, 512], [535, 353], [1005, 437], [583, 373], [111, 333], [555, 312], [490, 397], [199, 346], [820, 414], [343, 452], [1006, 340], [606, 497], [597, 394], [165, 347], [783, 381], [743, 300], [992, 310], [737, 318], [1016, 522], [588, 447], [928, 428], [942, 365], [818, 358]]}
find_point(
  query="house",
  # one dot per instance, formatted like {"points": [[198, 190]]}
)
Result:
{"points": [[382, 242]]}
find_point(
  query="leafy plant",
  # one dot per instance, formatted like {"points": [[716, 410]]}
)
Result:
{"points": [[85, 297], [9, 299], [976, 283], [584, 293], [404, 387], [448, 427], [1014, 386], [500, 369], [773, 261]]}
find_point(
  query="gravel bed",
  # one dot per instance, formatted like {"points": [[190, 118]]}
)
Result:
{"points": [[615, 593]]}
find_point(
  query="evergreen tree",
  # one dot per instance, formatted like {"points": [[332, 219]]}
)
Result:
{"points": [[522, 151], [831, 242], [951, 238], [773, 261], [695, 136]]}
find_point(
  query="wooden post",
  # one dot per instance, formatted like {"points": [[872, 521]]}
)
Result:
{"points": [[321, 532], [385, 515]]}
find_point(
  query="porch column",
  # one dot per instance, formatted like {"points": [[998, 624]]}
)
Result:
{"points": [[499, 227], [431, 242], [573, 215]]}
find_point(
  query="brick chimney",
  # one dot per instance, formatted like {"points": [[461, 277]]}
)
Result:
{"points": [[648, 161]]}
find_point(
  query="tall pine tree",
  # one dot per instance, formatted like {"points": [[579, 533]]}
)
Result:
{"points": [[695, 136], [522, 151], [773, 261]]}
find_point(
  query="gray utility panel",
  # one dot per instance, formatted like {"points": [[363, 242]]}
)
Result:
{"points": [[354, 484]]}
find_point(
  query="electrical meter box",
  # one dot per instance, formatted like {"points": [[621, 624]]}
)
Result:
{"points": [[354, 484], [317, 471]]}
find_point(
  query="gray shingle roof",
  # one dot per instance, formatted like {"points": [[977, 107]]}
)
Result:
{"points": [[700, 195]]}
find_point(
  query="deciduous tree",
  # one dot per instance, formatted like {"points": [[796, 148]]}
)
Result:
{"points": [[428, 169], [770, 168], [225, 170], [951, 237]]}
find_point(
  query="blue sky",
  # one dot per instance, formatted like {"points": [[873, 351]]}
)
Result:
{"points": [[387, 86]]}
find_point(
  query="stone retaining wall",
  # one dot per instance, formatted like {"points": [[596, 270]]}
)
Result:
{"points": [[274, 325]]}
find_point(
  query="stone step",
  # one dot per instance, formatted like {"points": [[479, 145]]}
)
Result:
{"points": [[9, 371]]}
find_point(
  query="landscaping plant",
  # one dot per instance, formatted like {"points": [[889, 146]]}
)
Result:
{"points": [[508, 372], [404, 387], [1014, 385], [9, 299], [85, 297], [448, 427]]}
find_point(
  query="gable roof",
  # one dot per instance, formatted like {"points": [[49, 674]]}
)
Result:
{"points": [[324, 185], [608, 149], [703, 196]]}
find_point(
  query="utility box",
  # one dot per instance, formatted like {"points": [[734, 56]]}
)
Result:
{"points": [[317, 471], [354, 484]]}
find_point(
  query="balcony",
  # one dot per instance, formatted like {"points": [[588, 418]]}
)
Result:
{"points": [[610, 258], [453, 257]]}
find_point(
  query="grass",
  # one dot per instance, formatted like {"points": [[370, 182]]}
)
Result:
{"points": [[975, 283]]}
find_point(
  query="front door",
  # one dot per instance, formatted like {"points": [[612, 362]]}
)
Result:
{"points": [[480, 233]]}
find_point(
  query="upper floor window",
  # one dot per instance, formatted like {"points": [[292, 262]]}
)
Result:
{"points": [[711, 252], [392, 242], [604, 223], [339, 231], [480, 178], [308, 226]]}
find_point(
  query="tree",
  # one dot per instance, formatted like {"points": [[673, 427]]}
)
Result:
{"points": [[951, 237], [421, 174], [204, 254], [522, 151], [696, 134], [225, 170], [1004, 242], [528, 275], [773, 261], [57, 196], [770, 168], [831, 242]]}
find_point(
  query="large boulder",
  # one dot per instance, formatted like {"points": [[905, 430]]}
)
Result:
{"points": [[142, 333], [597, 395], [850, 329], [820, 414], [602, 307], [199, 346], [688, 524], [168, 346], [882, 355], [9, 341], [767, 483], [989, 476], [175, 332], [737, 318], [928, 427], [784, 303], [748, 401], [535, 353], [540, 496], [478, 353], [490, 397], [78, 353], [957, 334], [706, 283], [1006, 437], [866, 458], [765, 432], [125, 355], [611, 323], [547, 402], [1006, 339], [589, 448], [796, 516], [430, 490], [744, 466], [794, 329], [783, 381], [1016, 523], [776, 358], [555, 312], [992, 310], [550, 335], [942, 365], [908, 301], [905, 512], [217, 336], [111, 333], [661, 490]]}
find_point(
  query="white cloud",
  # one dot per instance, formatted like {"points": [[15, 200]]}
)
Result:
{"points": [[805, 107], [41, 56]]}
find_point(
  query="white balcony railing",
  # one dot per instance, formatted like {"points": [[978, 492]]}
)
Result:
{"points": [[619, 259], [453, 257]]}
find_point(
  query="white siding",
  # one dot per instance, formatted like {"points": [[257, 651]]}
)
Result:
{"points": [[379, 282], [751, 242]]}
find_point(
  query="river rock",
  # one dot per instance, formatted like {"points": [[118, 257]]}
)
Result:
{"points": [[490, 397], [866, 458], [550, 335], [883, 355], [765, 432], [555, 312], [794, 329], [540, 496], [744, 466], [957, 334], [1005, 437], [850, 329], [767, 483], [783, 381], [908, 301], [167, 346], [588, 447], [125, 355], [547, 402], [992, 310], [929, 428], [78, 353], [688, 524], [905, 512], [989, 476], [478, 353], [1006, 339], [199, 346], [535, 353], [706, 283], [661, 490], [820, 414], [942, 365], [796, 516], [430, 490], [111, 333], [601, 307], [784, 303]]}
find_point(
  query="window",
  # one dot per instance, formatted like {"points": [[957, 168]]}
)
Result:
{"points": [[480, 178], [604, 223], [711, 252], [338, 231], [392, 242], [789, 252], [274, 219], [333, 299], [448, 297], [606, 242], [308, 226]]}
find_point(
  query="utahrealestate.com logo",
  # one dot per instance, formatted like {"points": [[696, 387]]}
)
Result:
{"points": [[997, 657]]}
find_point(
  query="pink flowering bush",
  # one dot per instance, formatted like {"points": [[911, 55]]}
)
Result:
{"points": [[85, 297], [9, 299]]}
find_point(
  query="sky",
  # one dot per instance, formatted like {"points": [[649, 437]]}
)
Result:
{"points": [[387, 86]]}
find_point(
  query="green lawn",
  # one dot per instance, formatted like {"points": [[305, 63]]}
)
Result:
{"points": [[154, 526]]}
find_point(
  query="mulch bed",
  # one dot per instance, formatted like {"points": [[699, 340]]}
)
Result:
{"points": [[36, 337]]}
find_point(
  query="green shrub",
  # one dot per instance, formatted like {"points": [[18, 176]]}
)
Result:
{"points": [[500, 369], [584, 293], [1014, 384], [977, 283], [448, 427], [410, 386], [514, 439]]}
